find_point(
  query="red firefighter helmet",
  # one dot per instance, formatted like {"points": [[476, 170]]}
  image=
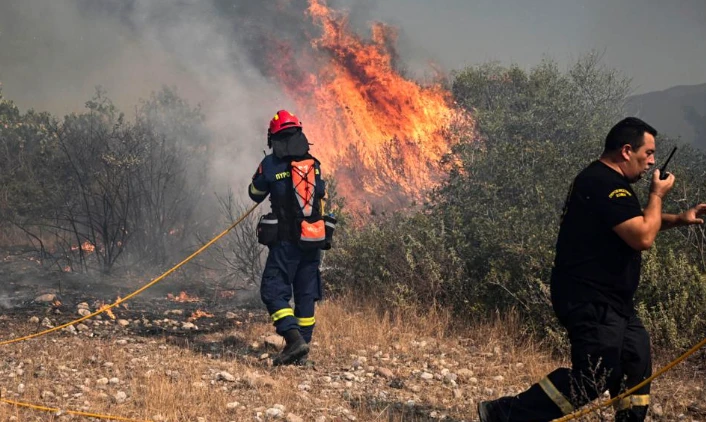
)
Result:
{"points": [[283, 120]]}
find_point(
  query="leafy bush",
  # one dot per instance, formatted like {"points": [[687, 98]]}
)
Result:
{"points": [[485, 241], [671, 298]]}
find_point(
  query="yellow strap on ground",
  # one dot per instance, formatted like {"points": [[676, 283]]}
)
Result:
{"points": [[70, 412], [136, 292], [606, 403]]}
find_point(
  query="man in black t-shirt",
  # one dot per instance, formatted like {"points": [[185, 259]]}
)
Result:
{"points": [[596, 272]]}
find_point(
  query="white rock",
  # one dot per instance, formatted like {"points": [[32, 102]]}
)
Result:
{"points": [[275, 341], [120, 397], [274, 412], [45, 298], [384, 372], [426, 376], [225, 376], [232, 405], [84, 312], [34, 320]]}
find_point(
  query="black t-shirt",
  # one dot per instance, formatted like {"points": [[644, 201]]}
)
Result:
{"points": [[593, 264]]}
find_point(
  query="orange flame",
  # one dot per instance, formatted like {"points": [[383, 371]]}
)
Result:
{"points": [[107, 310], [86, 246], [378, 131], [182, 297], [124, 305], [199, 314]]}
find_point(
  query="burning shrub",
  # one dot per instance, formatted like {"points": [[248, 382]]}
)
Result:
{"points": [[485, 242]]}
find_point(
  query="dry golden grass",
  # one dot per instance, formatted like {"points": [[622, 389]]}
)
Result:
{"points": [[175, 381]]}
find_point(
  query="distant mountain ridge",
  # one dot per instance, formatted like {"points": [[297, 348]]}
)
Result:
{"points": [[679, 112]]}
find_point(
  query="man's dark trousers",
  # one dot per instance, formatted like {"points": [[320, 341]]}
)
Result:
{"points": [[291, 270], [609, 351]]}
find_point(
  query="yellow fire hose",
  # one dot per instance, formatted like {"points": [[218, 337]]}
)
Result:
{"points": [[136, 292], [106, 308], [635, 388], [71, 412]]}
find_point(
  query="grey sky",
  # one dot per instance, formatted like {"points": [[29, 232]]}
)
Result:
{"points": [[52, 53], [658, 43]]}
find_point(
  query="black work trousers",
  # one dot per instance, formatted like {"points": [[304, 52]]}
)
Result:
{"points": [[609, 351]]}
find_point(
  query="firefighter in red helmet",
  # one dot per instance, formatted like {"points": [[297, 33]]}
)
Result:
{"points": [[295, 232]]}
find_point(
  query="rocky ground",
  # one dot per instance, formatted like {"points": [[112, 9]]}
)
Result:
{"points": [[182, 358]]}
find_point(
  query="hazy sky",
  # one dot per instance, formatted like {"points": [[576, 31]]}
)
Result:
{"points": [[658, 43], [52, 52]]}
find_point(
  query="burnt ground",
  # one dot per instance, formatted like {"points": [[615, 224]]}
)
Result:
{"points": [[29, 287]]}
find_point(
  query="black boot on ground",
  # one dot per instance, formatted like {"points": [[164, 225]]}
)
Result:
{"points": [[305, 362], [294, 349], [494, 411]]}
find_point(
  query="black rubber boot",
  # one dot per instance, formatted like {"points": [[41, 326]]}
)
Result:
{"points": [[494, 411], [294, 349], [305, 362]]}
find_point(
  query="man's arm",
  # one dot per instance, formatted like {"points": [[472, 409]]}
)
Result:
{"points": [[259, 188], [640, 232], [688, 217]]}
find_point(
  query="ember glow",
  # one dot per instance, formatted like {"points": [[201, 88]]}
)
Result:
{"points": [[124, 305], [199, 314], [86, 246], [381, 134], [182, 297], [107, 310]]}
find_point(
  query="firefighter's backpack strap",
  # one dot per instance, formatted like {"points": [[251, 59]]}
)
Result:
{"points": [[309, 220]]}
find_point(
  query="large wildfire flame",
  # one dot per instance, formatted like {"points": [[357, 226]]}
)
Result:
{"points": [[373, 128]]}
